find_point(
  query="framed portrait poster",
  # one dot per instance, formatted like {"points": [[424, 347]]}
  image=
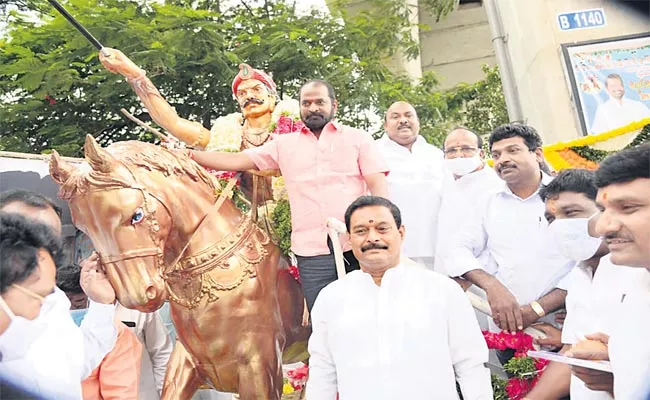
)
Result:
{"points": [[610, 81]]}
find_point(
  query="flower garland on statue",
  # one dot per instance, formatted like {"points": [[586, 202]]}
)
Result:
{"points": [[560, 157], [526, 370], [227, 134]]}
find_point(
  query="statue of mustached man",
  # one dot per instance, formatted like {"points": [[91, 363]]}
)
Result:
{"points": [[260, 118]]}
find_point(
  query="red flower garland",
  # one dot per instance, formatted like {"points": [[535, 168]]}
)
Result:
{"points": [[287, 125], [293, 271], [298, 377], [521, 343]]}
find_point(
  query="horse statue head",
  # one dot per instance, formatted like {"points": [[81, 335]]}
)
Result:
{"points": [[140, 205]]}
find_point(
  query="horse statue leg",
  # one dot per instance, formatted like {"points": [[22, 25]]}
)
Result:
{"points": [[261, 378], [182, 378]]}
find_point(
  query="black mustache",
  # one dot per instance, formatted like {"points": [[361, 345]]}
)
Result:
{"points": [[315, 114], [614, 235], [502, 166], [404, 125], [373, 246], [252, 100]]}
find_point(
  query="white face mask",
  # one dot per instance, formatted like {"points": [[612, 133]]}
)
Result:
{"points": [[16, 340], [573, 239], [463, 166]]}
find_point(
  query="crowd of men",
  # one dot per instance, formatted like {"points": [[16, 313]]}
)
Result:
{"points": [[531, 243]]}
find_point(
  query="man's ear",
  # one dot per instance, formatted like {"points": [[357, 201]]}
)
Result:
{"points": [[402, 231], [481, 154], [540, 154]]}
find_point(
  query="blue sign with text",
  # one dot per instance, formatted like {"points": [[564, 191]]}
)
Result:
{"points": [[583, 19]]}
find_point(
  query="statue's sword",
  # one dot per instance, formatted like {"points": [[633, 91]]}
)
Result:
{"points": [[77, 25]]}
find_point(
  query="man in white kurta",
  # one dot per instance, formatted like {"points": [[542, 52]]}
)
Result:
{"points": [[415, 179], [466, 189], [393, 330], [527, 284], [619, 110], [623, 182], [595, 287]]}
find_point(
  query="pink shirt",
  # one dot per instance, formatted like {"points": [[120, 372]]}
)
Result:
{"points": [[323, 176]]}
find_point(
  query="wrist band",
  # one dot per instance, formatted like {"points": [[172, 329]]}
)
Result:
{"points": [[539, 310]]}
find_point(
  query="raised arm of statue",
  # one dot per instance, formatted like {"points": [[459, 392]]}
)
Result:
{"points": [[192, 133]]}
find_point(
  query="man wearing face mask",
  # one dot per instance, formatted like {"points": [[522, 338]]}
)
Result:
{"points": [[523, 283], [47, 350], [415, 181], [595, 286], [623, 182], [467, 191]]}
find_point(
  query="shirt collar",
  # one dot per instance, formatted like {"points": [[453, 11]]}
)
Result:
{"points": [[333, 126], [419, 142], [389, 274], [546, 179]]}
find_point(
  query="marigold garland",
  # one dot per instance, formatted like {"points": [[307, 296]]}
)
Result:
{"points": [[561, 155]]}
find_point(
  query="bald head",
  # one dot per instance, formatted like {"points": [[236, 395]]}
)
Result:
{"points": [[33, 206], [402, 124], [462, 138]]}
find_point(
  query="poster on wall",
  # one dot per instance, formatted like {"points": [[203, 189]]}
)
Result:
{"points": [[610, 80]]}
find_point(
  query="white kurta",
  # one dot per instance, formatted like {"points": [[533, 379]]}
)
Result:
{"points": [[156, 348], [629, 348], [415, 185], [64, 354], [462, 201], [410, 338], [515, 232], [612, 114], [593, 304]]}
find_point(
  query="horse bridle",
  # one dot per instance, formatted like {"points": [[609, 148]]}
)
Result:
{"points": [[154, 228]]}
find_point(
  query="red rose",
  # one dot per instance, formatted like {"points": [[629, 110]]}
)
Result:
{"points": [[284, 125]]}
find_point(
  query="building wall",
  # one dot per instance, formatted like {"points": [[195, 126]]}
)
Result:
{"points": [[457, 46], [534, 46]]}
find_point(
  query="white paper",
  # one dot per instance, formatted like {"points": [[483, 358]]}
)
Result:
{"points": [[547, 355]]}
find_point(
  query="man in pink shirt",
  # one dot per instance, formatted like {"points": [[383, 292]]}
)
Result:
{"points": [[325, 167]]}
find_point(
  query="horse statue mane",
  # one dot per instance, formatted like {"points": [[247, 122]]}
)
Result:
{"points": [[103, 173]]}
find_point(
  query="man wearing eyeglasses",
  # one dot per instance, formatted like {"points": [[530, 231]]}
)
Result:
{"points": [[415, 181], [466, 191], [522, 282]]}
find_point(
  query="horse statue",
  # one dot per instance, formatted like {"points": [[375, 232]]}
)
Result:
{"points": [[164, 230]]}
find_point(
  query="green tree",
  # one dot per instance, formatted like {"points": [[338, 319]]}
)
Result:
{"points": [[55, 90], [480, 106]]}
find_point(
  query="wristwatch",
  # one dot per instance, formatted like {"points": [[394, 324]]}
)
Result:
{"points": [[539, 310]]}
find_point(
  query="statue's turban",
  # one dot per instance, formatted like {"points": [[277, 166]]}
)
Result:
{"points": [[246, 72]]}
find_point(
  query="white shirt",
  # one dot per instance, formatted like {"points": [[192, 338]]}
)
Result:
{"points": [[462, 202], [156, 349], [593, 304], [410, 338], [629, 348], [516, 234], [612, 114], [64, 354], [414, 185]]}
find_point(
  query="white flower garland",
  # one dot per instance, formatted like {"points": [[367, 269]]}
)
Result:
{"points": [[228, 131]]}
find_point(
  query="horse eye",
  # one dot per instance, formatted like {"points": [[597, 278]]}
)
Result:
{"points": [[137, 217]]}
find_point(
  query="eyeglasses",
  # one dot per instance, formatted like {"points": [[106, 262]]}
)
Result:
{"points": [[464, 150]]}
